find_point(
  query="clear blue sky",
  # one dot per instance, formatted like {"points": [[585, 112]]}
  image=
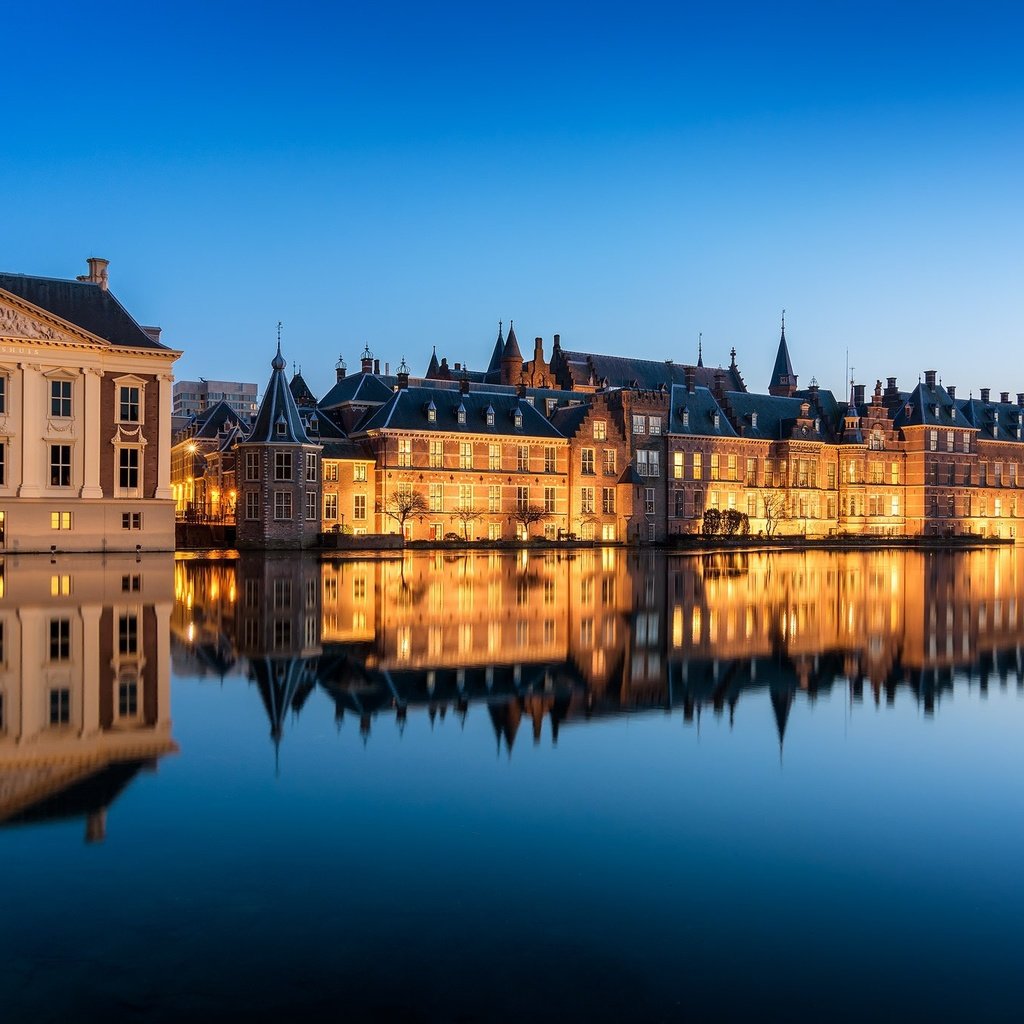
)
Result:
{"points": [[625, 175]]}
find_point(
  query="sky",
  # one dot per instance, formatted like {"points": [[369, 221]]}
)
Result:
{"points": [[627, 176]]}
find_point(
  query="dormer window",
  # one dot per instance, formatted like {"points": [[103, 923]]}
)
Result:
{"points": [[817, 423], [753, 419], [460, 413], [935, 411], [686, 417], [995, 415], [518, 420], [717, 419], [431, 413], [281, 427], [490, 415]]}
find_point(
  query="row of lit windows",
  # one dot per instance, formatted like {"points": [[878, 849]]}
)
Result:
{"points": [[496, 455]]}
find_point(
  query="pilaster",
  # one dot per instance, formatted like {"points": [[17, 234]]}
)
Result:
{"points": [[91, 486], [32, 458], [163, 472]]}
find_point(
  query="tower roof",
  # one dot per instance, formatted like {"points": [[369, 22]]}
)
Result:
{"points": [[783, 380], [511, 345], [278, 420], [494, 366], [433, 366]]}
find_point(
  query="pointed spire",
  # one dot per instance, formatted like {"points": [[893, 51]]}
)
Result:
{"points": [[433, 366], [511, 350], [494, 366], [700, 350], [783, 382]]}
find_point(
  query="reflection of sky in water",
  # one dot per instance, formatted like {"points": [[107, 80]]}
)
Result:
{"points": [[642, 867]]}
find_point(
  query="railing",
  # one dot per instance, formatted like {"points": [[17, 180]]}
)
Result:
{"points": [[199, 516]]}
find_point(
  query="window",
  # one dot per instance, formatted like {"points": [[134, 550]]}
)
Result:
{"points": [[752, 472], [654, 425], [131, 520], [648, 463], [649, 501], [494, 531], [128, 402], [588, 461], [131, 584], [431, 413], [489, 416], [522, 497], [494, 456], [600, 430], [358, 473], [3, 394], [608, 501], [465, 495], [127, 698], [60, 585], [311, 505], [549, 499], [330, 506], [60, 520], [494, 498], [127, 634], [252, 465], [465, 455], [60, 465], [732, 468], [967, 442], [609, 462], [523, 458], [715, 466], [60, 398], [330, 471], [405, 451], [128, 468], [60, 639], [60, 706], [282, 505], [518, 419], [933, 440], [252, 505], [587, 500], [436, 455], [311, 467], [677, 465], [698, 466], [359, 507], [3, 461], [639, 424], [283, 466], [550, 457], [435, 497]]}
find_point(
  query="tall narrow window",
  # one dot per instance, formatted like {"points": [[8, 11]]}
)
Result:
{"points": [[60, 463], [60, 639], [128, 468], [252, 465], [128, 635], [128, 402], [60, 398], [311, 467]]}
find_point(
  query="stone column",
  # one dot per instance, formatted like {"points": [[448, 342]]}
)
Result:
{"points": [[33, 458], [92, 430], [163, 472]]}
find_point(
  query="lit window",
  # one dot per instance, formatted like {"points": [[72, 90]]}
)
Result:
{"points": [[359, 506], [588, 461], [405, 451], [330, 506], [600, 430], [60, 520]]}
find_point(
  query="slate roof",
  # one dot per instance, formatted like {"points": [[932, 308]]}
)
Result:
{"points": [[83, 304], [782, 372], [999, 421], [346, 448], [701, 407], [359, 388], [278, 407], [775, 417], [209, 423], [568, 418], [511, 350], [407, 410], [433, 366], [650, 374], [929, 406], [300, 391]]}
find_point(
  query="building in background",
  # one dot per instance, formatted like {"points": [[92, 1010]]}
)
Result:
{"points": [[85, 419], [195, 397]]}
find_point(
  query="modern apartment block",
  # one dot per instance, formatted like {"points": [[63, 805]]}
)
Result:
{"points": [[194, 397], [85, 419]]}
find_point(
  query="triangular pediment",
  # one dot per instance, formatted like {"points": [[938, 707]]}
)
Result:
{"points": [[21, 321]]}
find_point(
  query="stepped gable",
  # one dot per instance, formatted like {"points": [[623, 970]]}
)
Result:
{"points": [[278, 420], [84, 304], [407, 409]]}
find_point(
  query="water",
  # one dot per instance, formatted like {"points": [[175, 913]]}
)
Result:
{"points": [[613, 786]]}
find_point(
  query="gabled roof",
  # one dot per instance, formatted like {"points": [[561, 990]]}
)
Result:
{"points": [[998, 421], [649, 374], [83, 304], [700, 406], [300, 391], [407, 410], [929, 405], [776, 415], [210, 422], [359, 388], [278, 420]]}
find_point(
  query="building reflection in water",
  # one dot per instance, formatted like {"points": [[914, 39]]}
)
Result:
{"points": [[84, 682], [572, 636]]}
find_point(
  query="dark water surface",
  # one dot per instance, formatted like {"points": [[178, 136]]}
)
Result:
{"points": [[607, 787]]}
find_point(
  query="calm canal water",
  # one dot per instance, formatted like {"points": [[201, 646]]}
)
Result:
{"points": [[604, 785]]}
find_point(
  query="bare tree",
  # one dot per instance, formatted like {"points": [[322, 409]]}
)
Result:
{"points": [[402, 505], [527, 515], [466, 515], [774, 510]]}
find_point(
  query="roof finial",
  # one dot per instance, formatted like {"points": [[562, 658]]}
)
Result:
{"points": [[278, 362], [278, 335], [783, 323], [700, 349]]}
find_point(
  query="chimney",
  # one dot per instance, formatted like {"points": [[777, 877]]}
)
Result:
{"points": [[153, 333], [892, 393], [951, 391], [464, 384], [858, 394], [376, 366], [691, 378], [538, 351], [458, 366], [366, 360], [556, 342], [1004, 397], [403, 375], [97, 272], [340, 369], [1020, 399], [985, 392], [719, 383], [929, 378]]}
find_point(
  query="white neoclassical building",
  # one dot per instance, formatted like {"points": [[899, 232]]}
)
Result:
{"points": [[85, 419]]}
